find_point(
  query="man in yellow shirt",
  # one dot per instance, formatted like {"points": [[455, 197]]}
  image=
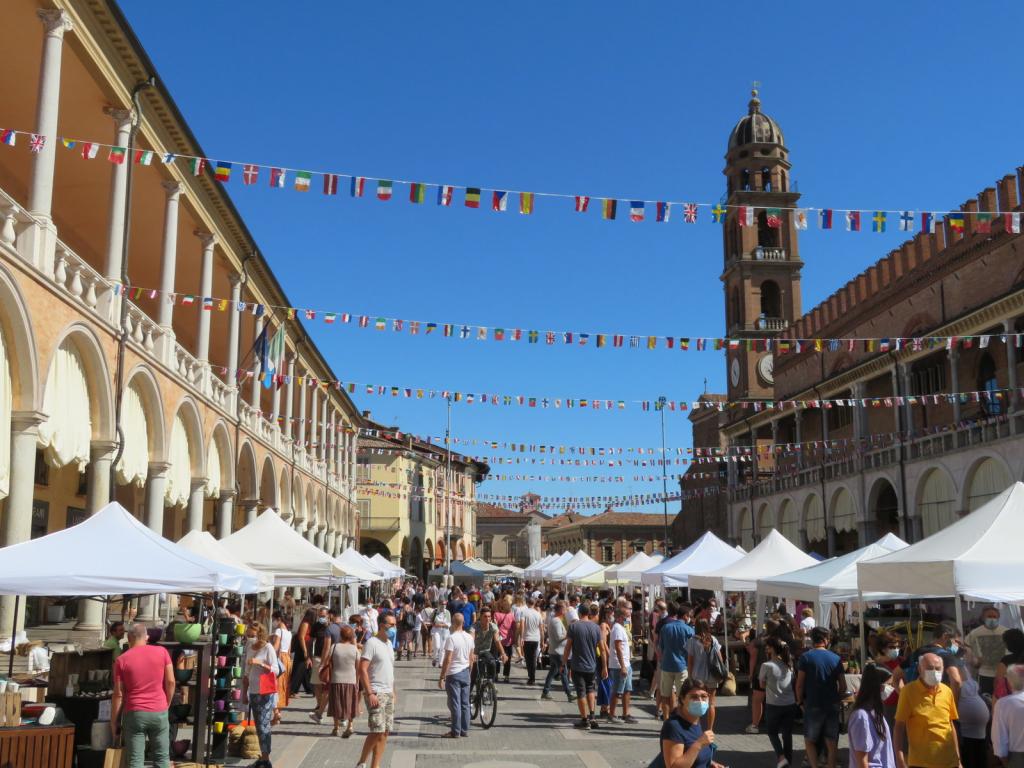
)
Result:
{"points": [[924, 720], [113, 643]]}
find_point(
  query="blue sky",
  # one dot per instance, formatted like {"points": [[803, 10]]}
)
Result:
{"points": [[883, 106]]}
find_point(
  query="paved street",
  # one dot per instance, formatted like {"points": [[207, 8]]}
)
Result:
{"points": [[528, 732]]}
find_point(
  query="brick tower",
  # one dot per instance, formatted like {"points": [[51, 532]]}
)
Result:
{"points": [[762, 262]]}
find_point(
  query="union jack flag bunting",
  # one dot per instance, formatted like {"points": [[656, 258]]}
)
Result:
{"points": [[690, 213], [36, 142]]}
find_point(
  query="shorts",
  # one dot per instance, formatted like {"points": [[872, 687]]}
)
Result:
{"points": [[382, 719], [584, 682], [821, 722], [622, 680], [671, 682]]}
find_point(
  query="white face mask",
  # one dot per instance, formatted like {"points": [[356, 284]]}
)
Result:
{"points": [[931, 677], [887, 691]]}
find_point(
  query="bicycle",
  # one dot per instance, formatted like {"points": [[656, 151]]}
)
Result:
{"points": [[484, 694]]}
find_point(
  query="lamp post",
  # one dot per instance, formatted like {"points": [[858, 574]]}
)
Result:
{"points": [[664, 473], [448, 499]]}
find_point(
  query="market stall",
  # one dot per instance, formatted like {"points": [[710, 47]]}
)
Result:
{"points": [[462, 573], [579, 565], [705, 554], [544, 569], [204, 544], [631, 569], [389, 569], [977, 557], [112, 553]]}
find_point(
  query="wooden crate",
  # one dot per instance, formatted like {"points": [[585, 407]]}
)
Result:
{"points": [[37, 747], [64, 664]]}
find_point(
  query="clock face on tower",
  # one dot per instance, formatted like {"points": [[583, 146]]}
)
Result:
{"points": [[765, 369], [734, 372]]}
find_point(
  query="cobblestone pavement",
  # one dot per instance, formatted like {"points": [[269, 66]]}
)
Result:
{"points": [[529, 733]]}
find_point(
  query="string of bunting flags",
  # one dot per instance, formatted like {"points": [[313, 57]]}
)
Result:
{"points": [[596, 340], [418, 192], [599, 502]]}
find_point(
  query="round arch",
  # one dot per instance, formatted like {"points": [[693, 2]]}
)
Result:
{"points": [[185, 453], [298, 508], [77, 361], [765, 521], [371, 547], [789, 521], [246, 472], [460, 548], [20, 345], [142, 422], [220, 469], [883, 508], [429, 555], [842, 516], [268, 485], [813, 522], [745, 529], [936, 500], [987, 478]]}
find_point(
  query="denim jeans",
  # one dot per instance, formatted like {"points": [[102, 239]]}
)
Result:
{"points": [[557, 669], [140, 727], [457, 687], [530, 655]]}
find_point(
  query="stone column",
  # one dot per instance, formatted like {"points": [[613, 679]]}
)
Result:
{"points": [[225, 513], [289, 399], [301, 426], [17, 520], [311, 535], [251, 507], [156, 486], [798, 434], [101, 456], [1013, 401], [323, 431], [119, 181], [276, 402], [196, 500], [954, 380], [233, 322], [314, 416], [40, 197], [255, 397], [321, 539], [169, 260], [205, 290]]}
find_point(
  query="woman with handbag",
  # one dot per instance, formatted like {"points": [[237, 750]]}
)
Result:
{"points": [[704, 661], [281, 639], [261, 686], [506, 622]]}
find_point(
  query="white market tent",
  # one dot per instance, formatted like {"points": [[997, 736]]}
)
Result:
{"points": [[630, 569], [389, 569], [977, 556], [358, 566], [460, 572], [544, 571], [774, 555], [583, 571], [706, 553], [269, 545], [537, 564], [481, 565], [112, 553], [596, 579], [581, 562], [204, 544], [830, 581]]}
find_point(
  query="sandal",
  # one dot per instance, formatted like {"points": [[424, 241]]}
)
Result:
{"points": [[450, 735], [347, 733]]}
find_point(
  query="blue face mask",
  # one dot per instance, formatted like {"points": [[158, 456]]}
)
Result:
{"points": [[697, 708], [392, 634], [953, 647]]}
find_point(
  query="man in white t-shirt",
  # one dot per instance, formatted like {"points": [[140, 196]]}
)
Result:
{"points": [[620, 665], [377, 675], [459, 657]]}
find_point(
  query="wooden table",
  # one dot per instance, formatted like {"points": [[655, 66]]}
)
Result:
{"points": [[37, 746]]}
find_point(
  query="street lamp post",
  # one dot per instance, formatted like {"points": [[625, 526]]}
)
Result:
{"points": [[448, 499], [664, 473]]}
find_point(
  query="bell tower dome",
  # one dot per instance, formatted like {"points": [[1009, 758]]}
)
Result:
{"points": [[761, 274]]}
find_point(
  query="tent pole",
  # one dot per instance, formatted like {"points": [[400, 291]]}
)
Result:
{"points": [[863, 639], [959, 609], [14, 632]]}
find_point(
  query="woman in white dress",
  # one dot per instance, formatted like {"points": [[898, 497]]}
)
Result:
{"points": [[439, 631]]}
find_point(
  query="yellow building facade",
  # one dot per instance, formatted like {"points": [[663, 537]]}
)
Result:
{"points": [[409, 511], [111, 394]]}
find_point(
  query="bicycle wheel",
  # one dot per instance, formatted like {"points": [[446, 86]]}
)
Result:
{"points": [[474, 701], [488, 700]]}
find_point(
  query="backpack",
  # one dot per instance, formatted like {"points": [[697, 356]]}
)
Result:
{"points": [[409, 619]]}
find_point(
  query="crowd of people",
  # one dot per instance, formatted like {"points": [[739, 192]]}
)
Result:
{"points": [[951, 702]]}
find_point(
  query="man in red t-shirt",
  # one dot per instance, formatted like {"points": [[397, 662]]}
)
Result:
{"points": [[143, 687]]}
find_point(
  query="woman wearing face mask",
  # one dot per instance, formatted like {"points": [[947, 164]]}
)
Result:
{"points": [[780, 710], [870, 739], [260, 661], [887, 647], [683, 743]]}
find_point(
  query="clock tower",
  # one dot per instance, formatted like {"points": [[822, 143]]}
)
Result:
{"points": [[761, 276]]}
